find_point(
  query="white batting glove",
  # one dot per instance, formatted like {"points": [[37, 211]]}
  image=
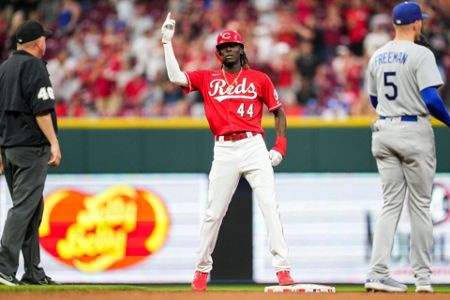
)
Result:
{"points": [[168, 30], [275, 157]]}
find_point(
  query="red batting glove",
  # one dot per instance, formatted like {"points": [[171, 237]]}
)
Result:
{"points": [[280, 145]]}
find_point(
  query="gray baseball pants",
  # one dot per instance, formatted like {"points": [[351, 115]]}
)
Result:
{"points": [[406, 160], [25, 173]]}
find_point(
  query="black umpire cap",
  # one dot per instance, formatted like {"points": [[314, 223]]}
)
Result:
{"points": [[30, 31]]}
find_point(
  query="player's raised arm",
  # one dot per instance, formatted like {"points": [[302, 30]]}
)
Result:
{"points": [[173, 69]]}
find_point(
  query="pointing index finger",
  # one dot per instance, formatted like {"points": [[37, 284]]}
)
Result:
{"points": [[168, 16]]}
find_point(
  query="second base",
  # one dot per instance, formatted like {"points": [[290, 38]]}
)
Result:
{"points": [[300, 288]]}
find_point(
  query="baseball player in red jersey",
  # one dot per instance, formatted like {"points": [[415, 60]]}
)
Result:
{"points": [[233, 97]]}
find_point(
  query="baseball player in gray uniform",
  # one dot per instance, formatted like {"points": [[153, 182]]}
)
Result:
{"points": [[402, 79]]}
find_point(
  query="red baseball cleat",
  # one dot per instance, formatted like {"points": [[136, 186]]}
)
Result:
{"points": [[199, 281], [284, 277]]}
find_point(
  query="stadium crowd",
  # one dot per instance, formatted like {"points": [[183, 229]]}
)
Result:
{"points": [[105, 57]]}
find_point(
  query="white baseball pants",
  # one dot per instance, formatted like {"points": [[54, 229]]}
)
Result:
{"points": [[231, 159]]}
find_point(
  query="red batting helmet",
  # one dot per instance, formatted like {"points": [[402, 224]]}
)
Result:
{"points": [[229, 36]]}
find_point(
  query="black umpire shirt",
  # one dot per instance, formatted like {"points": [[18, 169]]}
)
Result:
{"points": [[25, 91]]}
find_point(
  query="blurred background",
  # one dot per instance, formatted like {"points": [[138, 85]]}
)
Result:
{"points": [[106, 59], [127, 202]]}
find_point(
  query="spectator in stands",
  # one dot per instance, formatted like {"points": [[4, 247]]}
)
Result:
{"points": [[69, 16], [141, 21], [332, 27], [328, 41], [306, 63], [380, 34], [125, 10], [3, 30], [356, 21]]}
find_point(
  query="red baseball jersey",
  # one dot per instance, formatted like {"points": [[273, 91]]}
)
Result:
{"points": [[237, 108]]}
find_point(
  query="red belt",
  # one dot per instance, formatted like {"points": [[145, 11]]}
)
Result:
{"points": [[235, 136]]}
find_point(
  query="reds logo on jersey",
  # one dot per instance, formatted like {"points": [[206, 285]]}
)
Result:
{"points": [[219, 90]]}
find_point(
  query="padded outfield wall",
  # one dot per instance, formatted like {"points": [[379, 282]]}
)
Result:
{"points": [[186, 145]]}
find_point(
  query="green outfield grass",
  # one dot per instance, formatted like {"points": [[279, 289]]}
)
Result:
{"points": [[180, 288]]}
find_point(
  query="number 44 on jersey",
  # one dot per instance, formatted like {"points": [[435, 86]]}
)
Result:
{"points": [[242, 111]]}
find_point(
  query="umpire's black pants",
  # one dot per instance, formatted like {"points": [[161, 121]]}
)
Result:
{"points": [[25, 172]]}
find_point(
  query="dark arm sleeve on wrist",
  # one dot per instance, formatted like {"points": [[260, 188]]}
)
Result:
{"points": [[374, 101]]}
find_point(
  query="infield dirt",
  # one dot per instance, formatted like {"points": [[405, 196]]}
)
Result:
{"points": [[143, 295]]}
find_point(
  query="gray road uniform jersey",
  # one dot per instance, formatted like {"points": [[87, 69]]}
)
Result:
{"points": [[398, 71], [403, 146]]}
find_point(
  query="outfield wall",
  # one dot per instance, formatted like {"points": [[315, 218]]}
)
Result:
{"points": [[156, 146]]}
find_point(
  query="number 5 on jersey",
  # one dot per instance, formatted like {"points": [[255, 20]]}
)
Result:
{"points": [[241, 110], [389, 82]]}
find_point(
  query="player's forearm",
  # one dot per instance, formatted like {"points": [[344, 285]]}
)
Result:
{"points": [[435, 105], [280, 122], [280, 128], [46, 125], [173, 69]]}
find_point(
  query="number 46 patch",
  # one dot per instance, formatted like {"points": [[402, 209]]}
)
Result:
{"points": [[46, 93]]}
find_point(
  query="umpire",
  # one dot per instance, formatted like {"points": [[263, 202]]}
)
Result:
{"points": [[29, 144]]}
